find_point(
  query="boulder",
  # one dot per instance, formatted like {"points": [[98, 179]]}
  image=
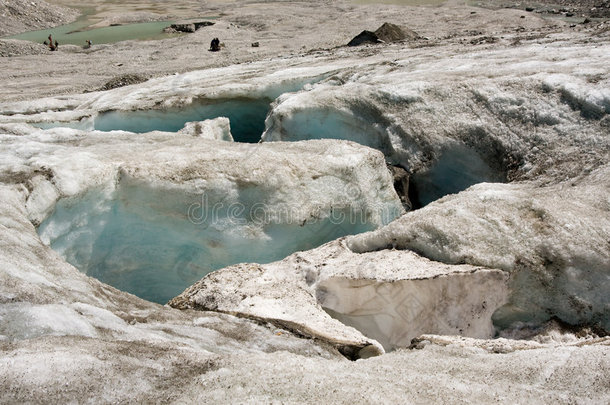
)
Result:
{"points": [[184, 27], [202, 24]]}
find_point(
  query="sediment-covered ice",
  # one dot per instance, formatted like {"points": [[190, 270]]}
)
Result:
{"points": [[391, 297], [515, 139], [551, 239]]}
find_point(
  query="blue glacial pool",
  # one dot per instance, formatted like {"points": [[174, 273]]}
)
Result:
{"points": [[155, 242], [247, 118]]}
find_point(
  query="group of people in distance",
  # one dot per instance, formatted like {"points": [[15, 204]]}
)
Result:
{"points": [[214, 45], [54, 45]]}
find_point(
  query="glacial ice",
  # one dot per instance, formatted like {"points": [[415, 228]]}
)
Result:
{"points": [[217, 204], [543, 132], [547, 238], [532, 116], [394, 313], [246, 106], [328, 113], [390, 297], [246, 118]]}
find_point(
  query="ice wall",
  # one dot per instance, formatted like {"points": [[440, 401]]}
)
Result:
{"points": [[394, 313], [353, 112], [153, 214], [457, 168], [552, 240], [246, 116], [177, 100], [318, 114]]}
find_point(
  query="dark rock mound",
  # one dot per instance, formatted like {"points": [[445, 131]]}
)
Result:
{"points": [[188, 27], [392, 33], [386, 33], [365, 37], [183, 27], [203, 24], [123, 80]]}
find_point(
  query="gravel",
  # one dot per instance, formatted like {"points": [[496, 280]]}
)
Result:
{"points": [[18, 16]]}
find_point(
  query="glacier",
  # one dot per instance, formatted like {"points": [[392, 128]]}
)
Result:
{"points": [[507, 152], [493, 129], [398, 116]]}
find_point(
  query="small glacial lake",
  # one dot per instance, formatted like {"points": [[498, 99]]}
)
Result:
{"points": [[77, 33]]}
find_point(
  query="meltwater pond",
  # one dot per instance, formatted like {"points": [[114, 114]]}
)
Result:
{"points": [[247, 117], [155, 242], [78, 32]]}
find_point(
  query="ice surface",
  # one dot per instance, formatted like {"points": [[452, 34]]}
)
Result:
{"points": [[24, 321]]}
